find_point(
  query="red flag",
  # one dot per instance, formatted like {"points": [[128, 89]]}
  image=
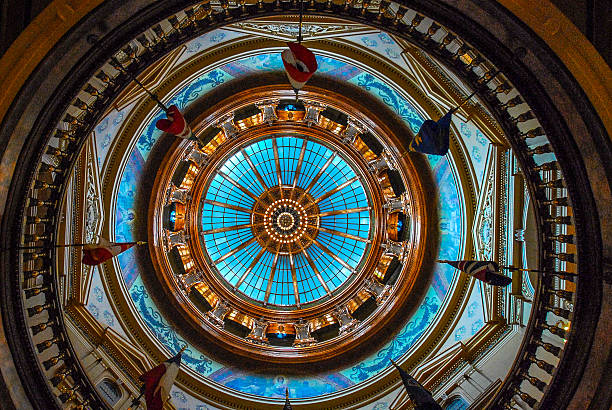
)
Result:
{"points": [[175, 124], [95, 254], [486, 271], [300, 64], [159, 380]]}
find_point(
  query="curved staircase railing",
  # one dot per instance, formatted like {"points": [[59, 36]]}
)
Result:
{"points": [[35, 274]]}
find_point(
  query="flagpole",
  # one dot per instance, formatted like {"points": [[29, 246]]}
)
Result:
{"points": [[521, 269], [400, 392], [299, 39], [469, 97], [512, 268], [98, 343], [502, 267], [68, 245], [136, 401], [153, 96]]}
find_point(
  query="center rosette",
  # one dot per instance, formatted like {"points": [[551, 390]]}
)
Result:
{"points": [[290, 220], [286, 220]]}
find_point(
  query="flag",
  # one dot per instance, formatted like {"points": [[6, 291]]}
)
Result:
{"points": [[95, 254], [287, 405], [175, 124], [433, 136], [300, 64], [421, 397], [486, 271], [159, 380]]}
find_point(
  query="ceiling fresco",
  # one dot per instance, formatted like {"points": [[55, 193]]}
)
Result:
{"points": [[273, 385], [452, 219]]}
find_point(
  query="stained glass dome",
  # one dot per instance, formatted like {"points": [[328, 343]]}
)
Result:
{"points": [[294, 230], [286, 221]]}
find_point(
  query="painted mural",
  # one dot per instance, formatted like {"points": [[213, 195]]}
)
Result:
{"points": [[477, 145], [107, 129], [98, 304], [273, 385], [184, 401]]}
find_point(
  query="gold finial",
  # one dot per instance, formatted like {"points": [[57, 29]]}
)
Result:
{"points": [[141, 243]]}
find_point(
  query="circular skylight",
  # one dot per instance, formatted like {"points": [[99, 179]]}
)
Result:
{"points": [[286, 221]]}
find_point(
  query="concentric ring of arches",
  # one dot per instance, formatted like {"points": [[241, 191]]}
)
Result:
{"points": [[321, 311]]}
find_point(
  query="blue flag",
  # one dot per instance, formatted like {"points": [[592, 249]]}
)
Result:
{"points": [[433, 137], [420, 397]]}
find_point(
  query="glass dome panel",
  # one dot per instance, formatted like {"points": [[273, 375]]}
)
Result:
{"points": [[285, 221]]}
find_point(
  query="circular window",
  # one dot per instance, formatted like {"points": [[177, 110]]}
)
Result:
{"points": [[286, 221]]}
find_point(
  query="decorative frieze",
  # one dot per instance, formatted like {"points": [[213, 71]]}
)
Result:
{"points": [[92, 207], [519, 235], [290, 30]]}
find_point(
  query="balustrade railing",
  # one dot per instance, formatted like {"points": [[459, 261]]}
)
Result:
{"points": [[544, 339]]}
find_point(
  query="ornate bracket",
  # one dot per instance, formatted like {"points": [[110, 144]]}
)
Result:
{"points": [[393, 248], [172, 239], [196, 156], [302, 335], [347, 322], [175, 194], [218, 313], [258, 332], [380, 291]]}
